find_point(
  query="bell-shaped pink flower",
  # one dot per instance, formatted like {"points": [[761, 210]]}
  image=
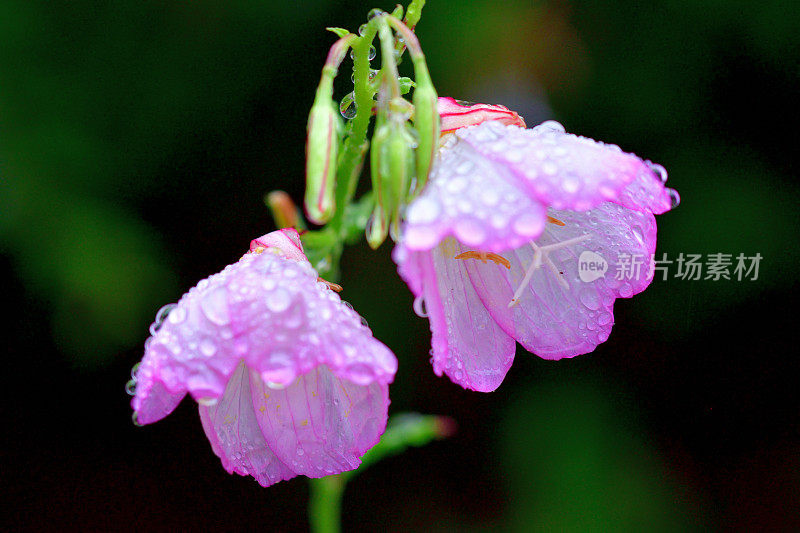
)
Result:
{"points": [[526, 235], [288, 378]]}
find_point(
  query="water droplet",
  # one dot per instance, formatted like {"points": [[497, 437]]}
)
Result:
{"points": [[372, 53], [362, 29], [208, 347], [674, 198], [135, 419], [130, 387], [214, 305], [177, 315], [135, 369], [658, 170], [300, 451], [347, 107], [419, 307], [375, 13], [161, 315], [364, 322], [278, 301], [207, 402], [552, 125], [423, 211], [590, 299]]}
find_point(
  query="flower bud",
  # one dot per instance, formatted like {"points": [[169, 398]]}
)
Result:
{"points": [[426, 121], [321, 151]]}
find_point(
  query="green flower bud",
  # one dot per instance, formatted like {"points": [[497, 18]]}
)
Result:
{"points": [[426, 121], [321, 153]]}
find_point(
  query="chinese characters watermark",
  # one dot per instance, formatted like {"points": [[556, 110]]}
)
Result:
{"points": [[711, 267]]}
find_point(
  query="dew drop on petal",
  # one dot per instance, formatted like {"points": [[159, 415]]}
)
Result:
{"points": [[135, 419], [423, 211], [375, 13], [208, 347], [674, 198], [278, 301], [552, 125], [177, 315], [135, 368], [362, 29], [590, 299], [130, 387], [420, 308], [214, 305], [658, 170]]}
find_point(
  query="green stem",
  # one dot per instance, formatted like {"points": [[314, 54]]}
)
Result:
{"points": [[325, 504], [355, 144]]}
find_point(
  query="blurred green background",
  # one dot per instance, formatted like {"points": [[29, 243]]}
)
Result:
{"points": [[137, 140]]}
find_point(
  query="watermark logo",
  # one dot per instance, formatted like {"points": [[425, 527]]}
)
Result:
{"points": [[591, 266]]}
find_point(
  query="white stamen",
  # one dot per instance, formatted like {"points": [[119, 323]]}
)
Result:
{"points": [[542, 253]]}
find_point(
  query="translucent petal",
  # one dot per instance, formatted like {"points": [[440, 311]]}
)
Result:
{"points": [[236, 437], [320, 424]]}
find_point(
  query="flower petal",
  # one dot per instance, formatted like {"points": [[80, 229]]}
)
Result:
{"points": [[236, 437], [468, 345], [320, 424], [273, 313], [455, 114], [554, 320], [474, 199], [565, 171], [153, 401]]}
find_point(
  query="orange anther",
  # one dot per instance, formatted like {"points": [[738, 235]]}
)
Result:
{"points": [[484, 256], [555, 221]]}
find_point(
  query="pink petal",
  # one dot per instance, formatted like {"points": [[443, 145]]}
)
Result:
{"points": [[272, 313], [475, 200], [236, 438], [320, 424], [468, 345], [554, 321], [455, 114], [287, 241], [153, 401], [565, 171]]}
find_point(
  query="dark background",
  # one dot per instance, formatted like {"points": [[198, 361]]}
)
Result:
{"points": [[137, 140]]}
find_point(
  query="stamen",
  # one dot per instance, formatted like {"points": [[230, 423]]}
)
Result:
{"points": [[555, 221], [484, 256], [332, 286], [541, 253]]}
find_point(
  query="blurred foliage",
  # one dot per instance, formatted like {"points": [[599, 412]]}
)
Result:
{"points": [[137, 140], [575, 461]]}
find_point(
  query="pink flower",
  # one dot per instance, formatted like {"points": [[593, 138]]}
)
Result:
{"points": [[288, 378], [526, 235]]}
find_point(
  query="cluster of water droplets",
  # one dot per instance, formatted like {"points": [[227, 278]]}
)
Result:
{"points": [[661, 174]]}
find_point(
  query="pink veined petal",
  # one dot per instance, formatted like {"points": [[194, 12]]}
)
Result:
{"points": [[554, 321], [320, 424], [455, 115], [236, 437], [565, 171], [475, 200], [271, 312], [468, 345]]}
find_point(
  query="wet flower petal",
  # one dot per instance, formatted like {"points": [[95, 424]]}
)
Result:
{"points": [[266, 322], [539, 198]]}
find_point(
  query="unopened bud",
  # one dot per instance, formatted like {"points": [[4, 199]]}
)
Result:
{"points": [[321, 150], [426, 121], [457, 114]]}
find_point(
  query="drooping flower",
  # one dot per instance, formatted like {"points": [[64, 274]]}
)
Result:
{"points": [[525, 235], [288, 379]]}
